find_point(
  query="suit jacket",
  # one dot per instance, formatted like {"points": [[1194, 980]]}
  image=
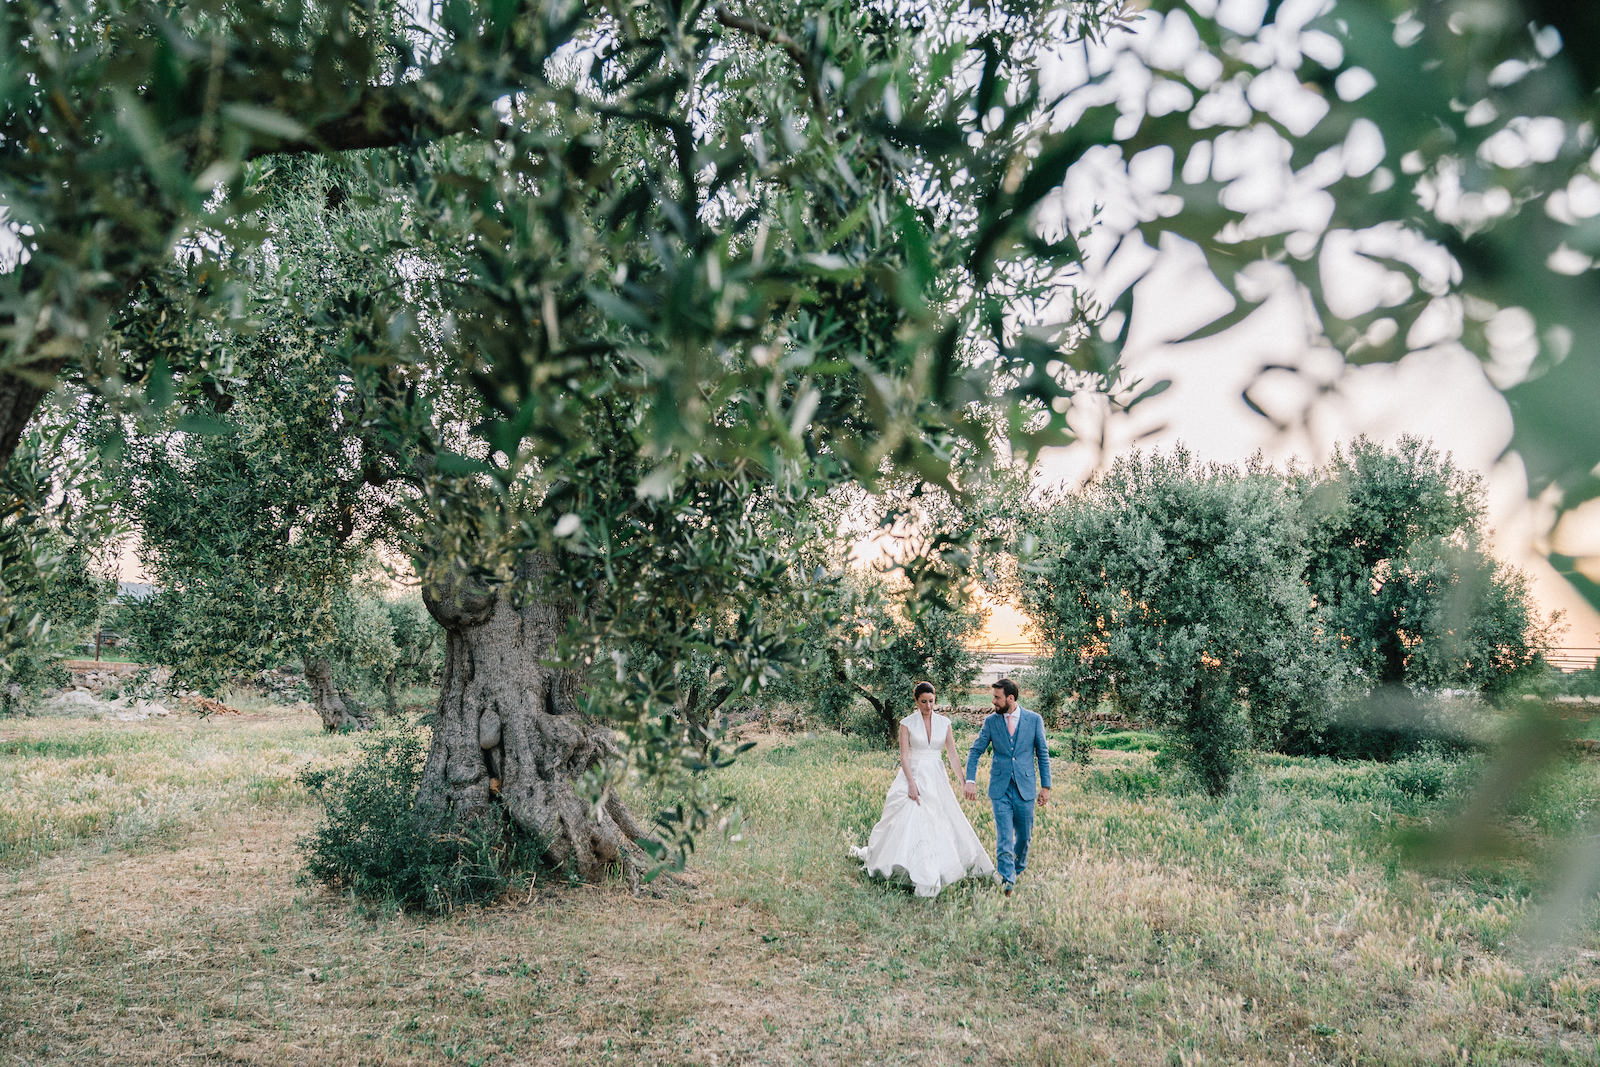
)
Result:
{"points": [[1013, 756]]}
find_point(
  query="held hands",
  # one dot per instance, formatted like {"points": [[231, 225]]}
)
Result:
{"points": [[969, 790], [1044, 796]]}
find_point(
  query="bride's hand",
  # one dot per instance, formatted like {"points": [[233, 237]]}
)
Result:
{"points": [[912, 794]]}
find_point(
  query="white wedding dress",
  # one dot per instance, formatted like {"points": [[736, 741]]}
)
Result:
{"points": [[931, 844]]}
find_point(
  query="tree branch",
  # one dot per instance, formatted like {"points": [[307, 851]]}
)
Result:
{"points": [[719, 697], [774, 36], [381, 118], [769, 34]]}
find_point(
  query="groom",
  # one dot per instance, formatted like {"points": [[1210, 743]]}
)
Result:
{"points": [[1017, 737]]}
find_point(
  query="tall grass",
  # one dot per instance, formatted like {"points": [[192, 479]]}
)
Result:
{"points": [[1277, 924], [74, 781]]}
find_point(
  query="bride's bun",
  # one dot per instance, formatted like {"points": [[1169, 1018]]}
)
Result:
{"points": [[920, 688]]}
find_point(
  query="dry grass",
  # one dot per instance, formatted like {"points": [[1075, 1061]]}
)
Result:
{"points": [[69, 781], [1153, 927]]}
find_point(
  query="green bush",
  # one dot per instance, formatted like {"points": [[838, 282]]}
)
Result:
{"points": [[1125, 741], [1427, 775], [375, 842], [1386, 724]]}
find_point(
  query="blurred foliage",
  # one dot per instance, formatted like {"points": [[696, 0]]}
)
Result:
{"points": [[1439, 156], [1552, 682], [1427, 169], [56, 543]]}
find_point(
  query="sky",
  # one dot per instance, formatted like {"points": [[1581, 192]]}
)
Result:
{"points": [[1441, 392]]}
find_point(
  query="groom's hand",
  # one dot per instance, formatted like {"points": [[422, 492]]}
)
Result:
{"points": [[1044, 796], [969, 790]]}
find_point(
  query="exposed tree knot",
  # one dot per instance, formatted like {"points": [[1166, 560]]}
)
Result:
{"points": [[458, 602]]}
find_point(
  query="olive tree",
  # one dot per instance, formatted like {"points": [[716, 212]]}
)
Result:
{"points": [[416, 641], [642, 268], [55, 543], [873, 641], [1398, 563], [253, 491], [1175, 588], [668, 321]]}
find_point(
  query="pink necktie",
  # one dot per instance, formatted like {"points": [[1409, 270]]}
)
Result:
{"points": [[1011, 725]]}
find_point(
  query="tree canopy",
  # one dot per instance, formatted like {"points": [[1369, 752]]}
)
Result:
{"points": [[1399, 564], [1176, 588]]}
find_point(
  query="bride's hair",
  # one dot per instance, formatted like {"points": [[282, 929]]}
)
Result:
{"points": [[920, 688]]}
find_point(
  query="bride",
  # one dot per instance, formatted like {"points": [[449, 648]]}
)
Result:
{"points": [[923, 836]]}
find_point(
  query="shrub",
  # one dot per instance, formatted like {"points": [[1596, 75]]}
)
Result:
{"points": [[1386, 724], [1426, 775], [1128, 741], [375, 842], [1133, 782]]}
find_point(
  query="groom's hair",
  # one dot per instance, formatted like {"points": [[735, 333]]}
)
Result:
{"points": [[1007, 686], [920, 688]]}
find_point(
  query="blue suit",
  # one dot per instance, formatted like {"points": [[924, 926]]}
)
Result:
{"points": [[1012, 788]]}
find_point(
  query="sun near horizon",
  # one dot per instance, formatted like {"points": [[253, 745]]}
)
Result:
{"points": [[1005, 628]]}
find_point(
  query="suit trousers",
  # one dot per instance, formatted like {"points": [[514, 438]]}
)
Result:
{"points": [[1013, 830]]}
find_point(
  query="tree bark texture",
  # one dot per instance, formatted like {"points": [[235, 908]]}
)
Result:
{"points": [[510, 740], [20, 397], [338, 710]]}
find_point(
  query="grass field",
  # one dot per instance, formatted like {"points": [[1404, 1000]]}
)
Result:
{"points": [[150, 913]]}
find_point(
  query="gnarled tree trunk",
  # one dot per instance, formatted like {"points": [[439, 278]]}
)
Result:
{"points": [[20, 398], [510, 740], [339, 710]]}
